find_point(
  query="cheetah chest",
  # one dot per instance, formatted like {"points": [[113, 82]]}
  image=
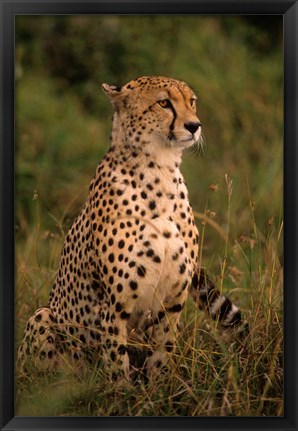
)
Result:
{"points": [[150, 254]]}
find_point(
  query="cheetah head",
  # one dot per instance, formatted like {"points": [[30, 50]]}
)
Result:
{"points": [[155, 112]]}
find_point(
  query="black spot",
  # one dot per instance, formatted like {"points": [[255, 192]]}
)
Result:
{"points": [[120, 257], [175, 309], [122, 349], [141, 271], [152, 205], [184, 285], [158, 364], [169, 347], [111, 257], [160, 316], [119, 307], [105, 269], [124, 315], [50, 339], [133, 285], [42, 330], [121, 243], [182, 268]]}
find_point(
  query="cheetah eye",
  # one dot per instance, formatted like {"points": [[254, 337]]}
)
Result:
{"points": [[164, 103], [193, 102]]}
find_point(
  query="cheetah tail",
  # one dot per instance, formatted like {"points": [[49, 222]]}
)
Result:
{"points": [[218, 306]]}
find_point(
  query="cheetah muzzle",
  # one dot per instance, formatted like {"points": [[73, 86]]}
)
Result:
{"points": [[130, 258]]}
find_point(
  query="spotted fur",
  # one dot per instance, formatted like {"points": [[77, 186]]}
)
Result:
{"points": [[130, 258]]}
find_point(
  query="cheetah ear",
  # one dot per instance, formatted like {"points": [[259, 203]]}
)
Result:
{"points": [[111, 91]]}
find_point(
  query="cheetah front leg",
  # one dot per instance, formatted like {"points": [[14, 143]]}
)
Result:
{"points": [[162, 336], [115, 350]]}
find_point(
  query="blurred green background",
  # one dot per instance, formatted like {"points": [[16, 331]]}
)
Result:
{"points": [[235, 65]]}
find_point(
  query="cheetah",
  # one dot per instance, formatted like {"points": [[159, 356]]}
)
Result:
{"points": [[130, 259]]}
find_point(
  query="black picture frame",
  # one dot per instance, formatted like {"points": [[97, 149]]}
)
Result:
{"points": [[9, 9]]}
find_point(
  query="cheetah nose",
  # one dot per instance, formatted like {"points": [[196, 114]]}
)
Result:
{"points": [[192, 127]]}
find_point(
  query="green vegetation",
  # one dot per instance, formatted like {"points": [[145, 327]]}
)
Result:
{"points": [[235, 186]]}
